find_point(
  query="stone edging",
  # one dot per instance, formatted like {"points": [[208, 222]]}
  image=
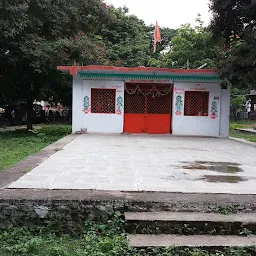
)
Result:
{"points": [[252, 131], [249, 143]]}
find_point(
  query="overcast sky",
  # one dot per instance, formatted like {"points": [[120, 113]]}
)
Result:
{"points": [[169, 13]]}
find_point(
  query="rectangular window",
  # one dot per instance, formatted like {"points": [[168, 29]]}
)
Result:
{"points": [[103, 101], [196, 103]]}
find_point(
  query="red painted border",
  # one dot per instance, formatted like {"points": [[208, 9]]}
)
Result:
{"points": [[74, 69]]}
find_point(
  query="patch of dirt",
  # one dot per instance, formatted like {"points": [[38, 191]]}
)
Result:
{"points": [[223, 179], [222, 167]]}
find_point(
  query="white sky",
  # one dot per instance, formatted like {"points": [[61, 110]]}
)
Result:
{"points": [[168, 13]]}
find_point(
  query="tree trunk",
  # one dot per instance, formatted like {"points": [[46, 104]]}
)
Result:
{"points": [[29, 115], [235, 114]]}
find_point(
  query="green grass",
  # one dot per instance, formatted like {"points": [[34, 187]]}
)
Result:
{"points": [[16, 145], [242, 135], [98, 239]]}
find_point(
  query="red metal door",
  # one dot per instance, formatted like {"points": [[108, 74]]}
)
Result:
{"points": [[147, 109], [134, 112], [158, 117]]}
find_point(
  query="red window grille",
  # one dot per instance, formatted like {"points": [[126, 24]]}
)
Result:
{"points": [[196, 103], [103, 101]]}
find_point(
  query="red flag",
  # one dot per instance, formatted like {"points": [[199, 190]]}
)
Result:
{"points": [[157, 36]]}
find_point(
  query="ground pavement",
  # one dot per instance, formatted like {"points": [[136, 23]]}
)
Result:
{"points": [[147, 163]]}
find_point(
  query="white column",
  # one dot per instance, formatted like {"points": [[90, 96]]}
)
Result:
{"points": [[225, 112], [77, 104]]}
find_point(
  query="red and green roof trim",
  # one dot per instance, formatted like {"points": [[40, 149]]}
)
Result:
{"points": [[141, 73]]}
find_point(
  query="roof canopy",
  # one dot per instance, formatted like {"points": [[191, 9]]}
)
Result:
{"points": [[109, 72]]}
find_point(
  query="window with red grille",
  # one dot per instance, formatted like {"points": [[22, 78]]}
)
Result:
{"points": [[103, 101], [196, 103]]}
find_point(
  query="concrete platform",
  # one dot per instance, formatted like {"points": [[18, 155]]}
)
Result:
{"points": [[147, 163], [191, 241]]}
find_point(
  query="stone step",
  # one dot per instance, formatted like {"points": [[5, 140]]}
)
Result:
{"points": [[196, 241], [185, 223]]}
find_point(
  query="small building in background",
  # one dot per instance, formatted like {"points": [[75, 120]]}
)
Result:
{"points": [[149, 100], [252, 114], [253, 100]]}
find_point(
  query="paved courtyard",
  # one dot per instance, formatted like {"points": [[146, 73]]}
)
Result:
{"points": [[147, 163]]}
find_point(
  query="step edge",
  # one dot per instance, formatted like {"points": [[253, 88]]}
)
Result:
{"points": [[244, 241], [194, 221], [209, 217]]}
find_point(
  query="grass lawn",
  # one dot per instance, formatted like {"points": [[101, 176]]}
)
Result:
{"points": [[16, 145], [242, 135]]}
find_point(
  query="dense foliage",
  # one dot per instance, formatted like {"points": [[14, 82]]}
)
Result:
{"points": [[38, 35], [234, 23], [192, 48], [189, 47], [238, 100], [126, 39]]}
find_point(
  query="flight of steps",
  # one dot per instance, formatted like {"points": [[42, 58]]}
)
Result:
{"points": [[184, 229]]}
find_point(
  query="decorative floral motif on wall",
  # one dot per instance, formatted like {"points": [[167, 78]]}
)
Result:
{"points": [[214, 110], [86, 106], [179, 105], [119, 105]]}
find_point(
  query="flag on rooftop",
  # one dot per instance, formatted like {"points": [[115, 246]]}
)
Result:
{"points": [[157, 36]]}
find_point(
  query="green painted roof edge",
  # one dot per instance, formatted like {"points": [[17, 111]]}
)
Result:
{"points": [[150, 77]]}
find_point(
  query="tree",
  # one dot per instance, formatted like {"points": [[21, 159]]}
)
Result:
{"points": [[126, 39], [166, 36], [157, 59], [191, 48], [38, 35], [186, 47], [234, 24], [238, 100], [130, 41]]}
